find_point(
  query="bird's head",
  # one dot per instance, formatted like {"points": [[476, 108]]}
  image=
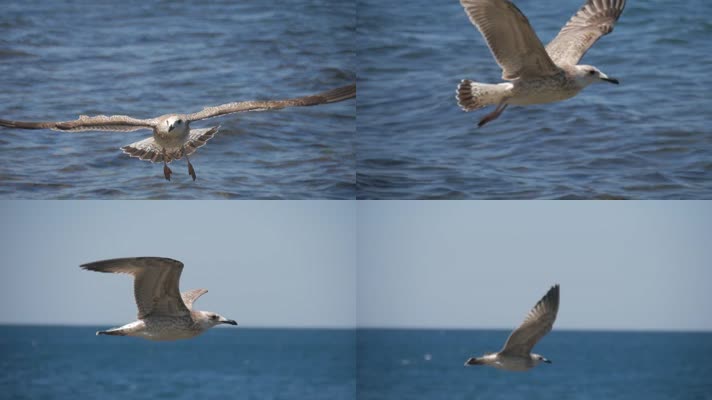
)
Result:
{"points": [[176, 123], [208, 319], [539, 359], [588, 74]]}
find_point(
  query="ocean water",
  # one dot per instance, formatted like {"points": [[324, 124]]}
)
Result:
{"points": [[239, 363], [49, 362], [60, 59], [648, 138], [428, 364]]}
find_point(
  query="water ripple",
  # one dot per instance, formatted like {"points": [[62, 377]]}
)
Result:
{"points": [[648, 138], [149, 58]]}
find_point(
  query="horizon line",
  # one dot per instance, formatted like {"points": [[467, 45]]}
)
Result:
{"points": [[393, 328]]}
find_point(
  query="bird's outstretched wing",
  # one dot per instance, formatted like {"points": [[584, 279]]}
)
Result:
{"points": [[331, 96], [191, 296], [595, 19], [155, 283], [513, 42], [117, 123], [538, 323]]}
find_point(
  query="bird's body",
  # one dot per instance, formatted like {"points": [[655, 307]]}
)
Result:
{"points": [[159, 328], [537, 74], [516, 354], [171, 140], [163, 312], [505, 362], [557, 87], [520, 92], [173, 137]]}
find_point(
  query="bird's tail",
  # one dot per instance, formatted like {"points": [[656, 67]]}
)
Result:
{"points": [[474, 361], [148, 149], [112, 332], [474, 95]]}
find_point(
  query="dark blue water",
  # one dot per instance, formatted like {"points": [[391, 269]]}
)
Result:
{"points": [[60, 59], [428, 364], [239, 363], [648, 138]]}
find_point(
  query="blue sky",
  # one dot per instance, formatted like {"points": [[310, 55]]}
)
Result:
{"points": [[265, 263], [621, 265]]}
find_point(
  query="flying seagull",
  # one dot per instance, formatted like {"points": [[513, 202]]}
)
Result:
{"points": [[538, 75], [516, 354], [164, 313], [172, 137]]}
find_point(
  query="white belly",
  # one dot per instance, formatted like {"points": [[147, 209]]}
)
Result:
{"points": [[161, 329], [173, 139], [511, 363]]}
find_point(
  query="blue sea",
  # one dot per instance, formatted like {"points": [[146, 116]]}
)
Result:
{"points": [[45, 362], [50, 362], [428, 364], [648, 138], [60, 59]]}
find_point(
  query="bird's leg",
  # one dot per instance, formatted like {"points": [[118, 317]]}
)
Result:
{"points": [[191, 171], [166, 171], [493, 115]]}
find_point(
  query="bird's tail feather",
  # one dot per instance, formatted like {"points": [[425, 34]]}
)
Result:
{"points": [[111, 332], [474, 361], [474, 95], [198, 138], [148, 149]]}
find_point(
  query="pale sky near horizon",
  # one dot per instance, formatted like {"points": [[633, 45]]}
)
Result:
{"points": [[265, 263], [639, 265]]}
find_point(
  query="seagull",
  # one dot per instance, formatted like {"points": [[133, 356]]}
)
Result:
{"points": [[163, 312], [172, 137], [537, 75], [516, 354]]}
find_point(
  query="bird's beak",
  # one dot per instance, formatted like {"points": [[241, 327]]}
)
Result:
{"points": [[547, 361], [609, 80], [170, 127], [229, 321]]}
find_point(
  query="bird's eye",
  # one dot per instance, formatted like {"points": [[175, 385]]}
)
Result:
{"points": [[180, 121], [214, 317], [591, 72]]}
